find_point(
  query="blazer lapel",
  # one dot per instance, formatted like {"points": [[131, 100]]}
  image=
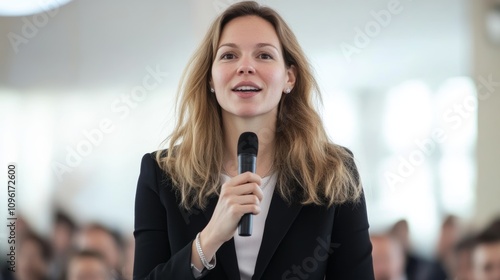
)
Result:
{"points": [[279, 219], [226, 255]]}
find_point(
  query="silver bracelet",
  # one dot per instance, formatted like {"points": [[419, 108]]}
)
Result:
{"points": [[204, 261]]}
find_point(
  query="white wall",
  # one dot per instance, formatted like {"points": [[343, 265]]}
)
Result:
{"points": [[486, 57]]}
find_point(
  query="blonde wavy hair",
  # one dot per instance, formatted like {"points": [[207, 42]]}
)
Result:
{"points": [[310, 168]]}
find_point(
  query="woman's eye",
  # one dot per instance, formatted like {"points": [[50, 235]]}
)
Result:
{"points": [[228, 56], [265, 56]]}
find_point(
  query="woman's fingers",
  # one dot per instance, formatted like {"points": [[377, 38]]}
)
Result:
{"points": [[246, 183], [247, 177], [245, 189]]}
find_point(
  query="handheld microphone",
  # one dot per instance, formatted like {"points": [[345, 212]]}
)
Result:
{"points": [[248, 145]]}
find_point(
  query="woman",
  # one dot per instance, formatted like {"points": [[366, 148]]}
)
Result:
{"points": [[250, 74]]}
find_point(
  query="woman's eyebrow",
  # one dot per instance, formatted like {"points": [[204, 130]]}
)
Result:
{"points": [[231, 45], [259, 45]]}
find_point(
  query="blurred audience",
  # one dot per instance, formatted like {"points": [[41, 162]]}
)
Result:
{"points": [[33, 257], [388, 258], [88, 265], [98, 238], [416, 268], [128, 261], [486, 254], [494, 227], [462, 260], [98, 253], [94, 252], [459, 256], [64, 230], [442, 267], [34, 241]]}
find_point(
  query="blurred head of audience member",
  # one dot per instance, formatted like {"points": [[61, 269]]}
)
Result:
{"points": [[128, 261], [401, 232], [448, 237], [33, 257], [493, 227], [486, 255], [62, 236], [388, 258], [443, 265], [462, 263], [415, 266], [98, 238], [88, 265]]}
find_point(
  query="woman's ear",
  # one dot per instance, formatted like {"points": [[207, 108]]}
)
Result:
{"points": [[211, 84], [291, 72]]}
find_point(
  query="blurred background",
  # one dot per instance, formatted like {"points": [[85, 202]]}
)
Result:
{"points": [[411, 87]]}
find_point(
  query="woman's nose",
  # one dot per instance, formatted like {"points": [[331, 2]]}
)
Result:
{"points": [[246, 67]]}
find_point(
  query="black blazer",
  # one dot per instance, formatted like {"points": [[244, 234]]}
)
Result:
{"points": [[299, 241]]}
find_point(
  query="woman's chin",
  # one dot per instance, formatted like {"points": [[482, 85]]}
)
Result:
{"points": [[248, 111], [244, 113]]}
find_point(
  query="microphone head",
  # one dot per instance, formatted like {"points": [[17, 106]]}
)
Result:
{"points": [[248, 143]]}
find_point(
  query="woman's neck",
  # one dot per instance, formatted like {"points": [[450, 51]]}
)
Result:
{"points": [[264, 127]]}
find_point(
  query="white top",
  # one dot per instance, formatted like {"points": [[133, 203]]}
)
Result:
{"points": [[247, 247]]}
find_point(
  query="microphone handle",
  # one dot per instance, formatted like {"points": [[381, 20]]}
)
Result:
{"points": [[246, 162]]}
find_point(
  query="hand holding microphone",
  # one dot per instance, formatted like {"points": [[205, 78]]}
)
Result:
{"points": [[239, 198]]}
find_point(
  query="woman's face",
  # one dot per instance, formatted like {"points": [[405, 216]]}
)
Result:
{"points": [[249, 73]]}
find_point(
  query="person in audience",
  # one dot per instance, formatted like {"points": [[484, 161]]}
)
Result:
{"points": [[442, 267], [494, 226], [61, 238], [416, 267], [462, 262], [32, 257], [88, 265], [98, 238], [128, 261], [486, 256], [388, 258]]}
